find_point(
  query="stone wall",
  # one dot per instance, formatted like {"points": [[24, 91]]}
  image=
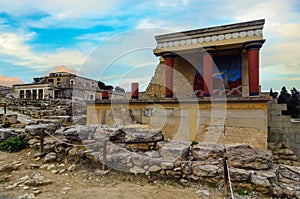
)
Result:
{"points": [[282, 129], [183, 80], [156, 87], [140, 150], [225, 123], [67, 112]]}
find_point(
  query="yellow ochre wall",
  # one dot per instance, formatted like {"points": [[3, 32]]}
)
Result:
{"points": [[225, 123]]}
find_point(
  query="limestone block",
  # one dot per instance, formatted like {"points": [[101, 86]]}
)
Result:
{"points": [[137, 170], [260, 181], [167, 165], [9, 119], [245, 157], [7, 133], [36, 130], [154, 168], [78, 133], [247, 122], [207, 151], [173, 150], [282, 118], [139, 135], [50, 157], [279, 125], [204, 170], [239, 175], [139, 160]]}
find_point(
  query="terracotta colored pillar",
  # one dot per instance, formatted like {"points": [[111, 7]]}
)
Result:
{"points": [[208, 70], [253, 48], [135, 90], [105, 94], [169, 61]]}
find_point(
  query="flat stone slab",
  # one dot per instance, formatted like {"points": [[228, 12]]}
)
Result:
{"points": [[174, 150], [139, 135]]}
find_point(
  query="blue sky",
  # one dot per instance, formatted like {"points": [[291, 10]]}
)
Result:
{"points": [[113, 40]]}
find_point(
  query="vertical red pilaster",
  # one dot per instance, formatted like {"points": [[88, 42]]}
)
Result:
{"points": [[253, 48], [208, 71], [169, 62], [253, 72], [105, 94], [135, 90]]}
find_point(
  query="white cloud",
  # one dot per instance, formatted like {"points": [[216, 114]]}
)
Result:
{"points": [[14, 49], [60, 9]]}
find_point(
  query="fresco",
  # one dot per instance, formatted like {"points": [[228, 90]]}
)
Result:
{"points": [[227, 76]]}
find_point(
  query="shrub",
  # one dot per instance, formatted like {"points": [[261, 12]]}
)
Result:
{"points": [[242, 192], [14, 144]]}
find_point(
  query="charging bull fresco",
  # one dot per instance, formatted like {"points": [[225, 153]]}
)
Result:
{"points": [[227, 77]]}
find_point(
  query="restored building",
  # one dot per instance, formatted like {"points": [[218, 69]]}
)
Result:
{"points": [[59, 85], [205, 88], [222, 60]]}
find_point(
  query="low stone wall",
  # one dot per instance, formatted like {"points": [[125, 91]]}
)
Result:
{"points": [[282, 129], [124, 149], [282, 154], [68, 112]]}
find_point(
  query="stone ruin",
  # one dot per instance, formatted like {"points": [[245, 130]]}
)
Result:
{"points": [[143, 151]]}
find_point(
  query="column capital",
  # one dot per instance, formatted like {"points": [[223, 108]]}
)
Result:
{"points": [[168, 55], [209, 49], [254, 45]]}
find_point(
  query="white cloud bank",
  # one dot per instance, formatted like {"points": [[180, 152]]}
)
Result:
{"points": [[13, 48]]}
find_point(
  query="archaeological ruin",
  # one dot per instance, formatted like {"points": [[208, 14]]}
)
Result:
{"points": [[202, 120], [205, 88]]}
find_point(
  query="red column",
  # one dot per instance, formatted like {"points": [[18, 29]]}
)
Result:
{"points": [[169, 59], [105, 94], [135, 90], [208, 70], [253, 65]]}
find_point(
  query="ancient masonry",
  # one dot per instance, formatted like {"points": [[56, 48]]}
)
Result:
{"points": [[284, 134], [205, 88]]}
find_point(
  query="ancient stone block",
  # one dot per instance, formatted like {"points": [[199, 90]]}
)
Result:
{"points": [[7, 133], [204, 170], [207, 151], [243, 156], [173, 150]]}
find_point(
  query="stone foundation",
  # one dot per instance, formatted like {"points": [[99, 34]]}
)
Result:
{"points": [[283, 129]]}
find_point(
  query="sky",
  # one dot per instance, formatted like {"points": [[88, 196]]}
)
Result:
{"points": [[113, 40]]}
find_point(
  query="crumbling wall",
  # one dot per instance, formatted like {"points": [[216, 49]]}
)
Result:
{"points": [[183, 81], [156, 88], [282, 129]]}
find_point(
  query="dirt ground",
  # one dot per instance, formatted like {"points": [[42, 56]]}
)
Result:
{"points": [[85, 183]]}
